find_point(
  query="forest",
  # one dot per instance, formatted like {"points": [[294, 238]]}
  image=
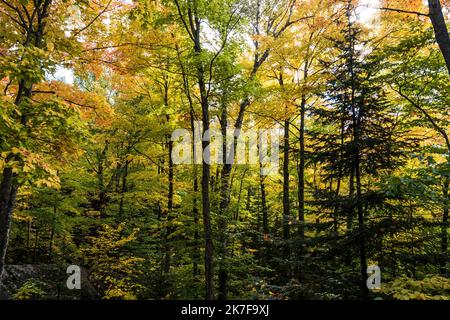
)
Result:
{"points": [[225, 149]]}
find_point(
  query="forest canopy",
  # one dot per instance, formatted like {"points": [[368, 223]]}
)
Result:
{"points": [[225, 149]]}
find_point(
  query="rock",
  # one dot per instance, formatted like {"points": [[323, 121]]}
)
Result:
{"points": [[49, 280]]}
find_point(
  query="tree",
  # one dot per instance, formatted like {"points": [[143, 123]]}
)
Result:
{"points": [[364, 141], [436, 16], [36, 43]]}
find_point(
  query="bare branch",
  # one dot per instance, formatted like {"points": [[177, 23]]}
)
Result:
{"points": [[180, 14], [426, 114], [93, 20], [405, 11]]}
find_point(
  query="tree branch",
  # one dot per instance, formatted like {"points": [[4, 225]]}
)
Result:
{"points": [[404, 11], [93, 20]]}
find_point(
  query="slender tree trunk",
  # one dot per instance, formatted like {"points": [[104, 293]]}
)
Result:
{"points": [[301, 172], [241, 184], [223, 209], [361, 228], [162, 286], [36, 242], [207, 220], [351, 194], [263, 210], [359, 205], [28, 234], [193, 30], [265, 213], [206, 174], [169, 210], [195, 211], [52, 233], [124, 188], [411, 237], [286, 200], [357, 116], [196, 255], [337, 207], [335, 211], [302, 158], [249, 194], [103, 194], [301, 190], [444, 228], [170, 175], [206, 168]]}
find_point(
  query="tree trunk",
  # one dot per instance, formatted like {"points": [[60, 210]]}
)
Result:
{"points": [[206, 168], [440, 29], [265, 213], [28, 234], [8, 189], [169, 210], [444, 228], [100, 205], [249, 194], [193, 30], [207, 221], [241, 184], [36, 242], [195, 211], [196, 255], [223, 209], [301, 172], [206, 173], [357, 112], [124, 188], [361, 228], [286, 201], [52, 234], [263, 255], [301, 191], [167, 214], [351, 194]]}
